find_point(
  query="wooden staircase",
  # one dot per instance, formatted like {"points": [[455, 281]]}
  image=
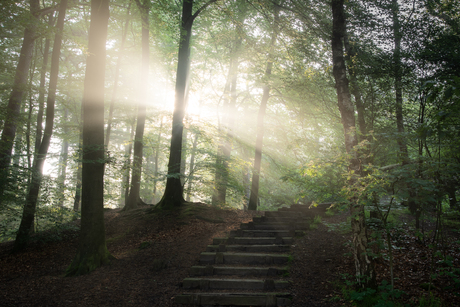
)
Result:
{"points": [[250, 266]]}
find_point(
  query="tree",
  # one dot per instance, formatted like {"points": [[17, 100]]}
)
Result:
{"points": [[224, 148], [363, 262], [134, 199], [398, 82], [15, 101], [117, 72], [174, 192], [92, 250], [37, 170], [254, 197]]}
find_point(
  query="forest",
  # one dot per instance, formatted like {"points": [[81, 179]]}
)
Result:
{"points": [[237, 104]]}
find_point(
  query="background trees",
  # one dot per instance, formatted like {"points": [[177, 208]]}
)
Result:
{"points": [[401, 60]]}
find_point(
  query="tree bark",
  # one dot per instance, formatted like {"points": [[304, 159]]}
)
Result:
{"points": [[134, 198], [351, 55], [221, 170], [157, 156], [173, 195], [37, 170], [15, 101], [363, 263], [183, 160], [192, 166], [77, 198], [254, 197], [227, 141], [127, 166], [63, 160], [117, 76], [398, 83], [92, 250], [42, 88]]}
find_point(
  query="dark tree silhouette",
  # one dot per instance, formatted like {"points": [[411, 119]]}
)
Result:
{"points": [[14, 103], [134, 199], [92, 250], [37, 169], [174, 191], [363, 262]]}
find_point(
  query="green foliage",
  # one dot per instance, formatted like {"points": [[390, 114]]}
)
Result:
{"points": [[430, 301], [341, 227], [317, 219], [51, 222], [322, 180], [383, 296], [450, 272]]}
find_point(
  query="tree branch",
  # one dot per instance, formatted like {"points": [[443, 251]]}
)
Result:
{"points": [[47, 10], [202, 8]]}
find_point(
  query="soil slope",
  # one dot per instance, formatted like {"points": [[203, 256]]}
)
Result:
{"points": [[153, 254]]}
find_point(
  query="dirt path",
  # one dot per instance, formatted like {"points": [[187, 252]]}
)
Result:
{"points": [[154, 254]]}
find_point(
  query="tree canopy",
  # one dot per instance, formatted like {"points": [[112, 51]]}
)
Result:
{"points": [[240, 109]]}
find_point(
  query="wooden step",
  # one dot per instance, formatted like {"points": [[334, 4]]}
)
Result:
{"points": [[243, 258], [319, 209], [274, 226], [252, 241], [237, 271], [235, 299], [248, 248], [291, 214], [231, 284], [263, 233], [283, 219]]}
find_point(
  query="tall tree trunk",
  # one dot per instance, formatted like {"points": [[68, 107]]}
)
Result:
{"points": [[37, 170], [220, 170], [127, 166], [42, 87], [92, 250], [117, 76], [398, 83], [157, 155], [174, 194], [365, 273], [192, 166], [63, 160], [183, 160], [15, 101], [134, 199], [254, 197], [351, 55], [77, 198], [18, 141], [225, 147], [413, 205]]}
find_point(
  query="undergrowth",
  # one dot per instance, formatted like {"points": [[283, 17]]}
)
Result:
{"points": [[50, 222]]}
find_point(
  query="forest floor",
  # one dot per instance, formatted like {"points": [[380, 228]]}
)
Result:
{"points": [[155, 251]]}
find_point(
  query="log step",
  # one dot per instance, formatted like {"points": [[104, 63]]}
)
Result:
{"points": [[266, 233], [237, 271], [282, 219], [291, 214], [231, 284], [235, 299], [252, 241], [274, 226], [248, 248], [242, 258]]}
